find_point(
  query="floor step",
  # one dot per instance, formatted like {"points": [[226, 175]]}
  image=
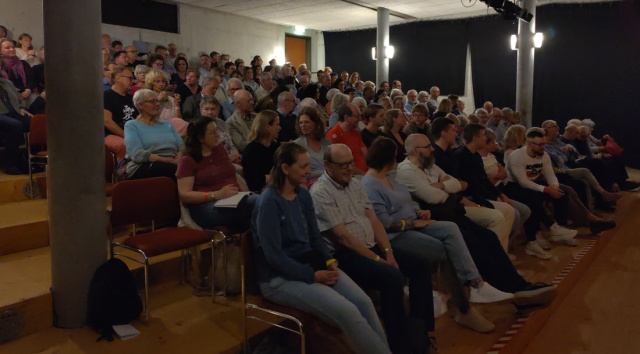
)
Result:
{"points": [[12, 187], [25, 282], [23, 226]]}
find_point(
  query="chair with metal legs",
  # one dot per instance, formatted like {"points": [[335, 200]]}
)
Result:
{"points": [[152, 200]]}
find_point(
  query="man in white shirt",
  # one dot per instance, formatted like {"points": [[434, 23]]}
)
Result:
{"points": [[526, 167], [205, 67]]}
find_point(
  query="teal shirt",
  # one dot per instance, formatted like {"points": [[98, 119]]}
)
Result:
{"points": [[143, 140]]}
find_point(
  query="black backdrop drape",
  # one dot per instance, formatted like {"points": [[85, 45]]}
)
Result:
{"points": [[426, 53], [493, 63]]}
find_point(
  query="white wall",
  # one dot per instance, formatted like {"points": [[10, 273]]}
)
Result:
{"points": [[201, 30]]}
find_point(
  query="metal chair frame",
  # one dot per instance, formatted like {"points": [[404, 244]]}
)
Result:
{"points": [[44, 160], [250, 306]]}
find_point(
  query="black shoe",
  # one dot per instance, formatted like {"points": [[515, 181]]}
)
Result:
{"points": [[629, 185], [13, 170], [597, 227]]}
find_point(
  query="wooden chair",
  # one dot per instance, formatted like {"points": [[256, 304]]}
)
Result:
{"points": [[152, 200], [325, 338], [37, 136]]}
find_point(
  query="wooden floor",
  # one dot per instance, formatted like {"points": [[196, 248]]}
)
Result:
{"points": [[596, 312]]}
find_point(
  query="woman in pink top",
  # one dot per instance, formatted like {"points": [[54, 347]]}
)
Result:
{"points": [[205, 175]]}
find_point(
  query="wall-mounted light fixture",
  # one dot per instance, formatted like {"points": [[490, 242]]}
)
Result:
{"points": [[538, 38], [389, 51], [299, 30]]}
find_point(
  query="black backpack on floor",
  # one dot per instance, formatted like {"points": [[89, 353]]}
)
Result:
{"points": [[113, 298]]}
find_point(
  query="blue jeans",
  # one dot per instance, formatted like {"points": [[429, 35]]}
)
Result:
{"points": [[448, 235], [343, 305], [207, 216]]}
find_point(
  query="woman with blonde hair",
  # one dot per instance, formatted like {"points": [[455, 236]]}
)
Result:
{"points": [[513, 139], [158, 82], [337, 101], [257, 158], [444, 107]]}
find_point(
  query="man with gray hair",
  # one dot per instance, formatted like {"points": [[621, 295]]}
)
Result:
{"points": [[286, 105], [432, 103], [412, 100], [483, 116], [508, 120], [495, 116], [239, 123], [266, 84], [228, 106]]}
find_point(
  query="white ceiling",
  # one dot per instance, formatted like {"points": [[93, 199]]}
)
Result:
{"points": [[332, 15]]}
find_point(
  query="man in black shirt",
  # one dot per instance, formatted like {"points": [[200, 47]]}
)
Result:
{"points": [[374, 116], [118, 109]]}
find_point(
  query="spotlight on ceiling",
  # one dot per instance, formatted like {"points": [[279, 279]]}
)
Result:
{"points": [[509, 10]]}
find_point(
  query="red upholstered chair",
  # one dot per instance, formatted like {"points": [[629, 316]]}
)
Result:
{"points": [[152, 200], [109, 170], [37, 137]]}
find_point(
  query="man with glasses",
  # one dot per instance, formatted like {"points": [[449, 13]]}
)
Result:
{"points": [[239, 123], [420, 122], [118, 109], [228, 105], [530, 178], [132, 57], [412, 100], [345, 132], [286, 105], [359, 242]]}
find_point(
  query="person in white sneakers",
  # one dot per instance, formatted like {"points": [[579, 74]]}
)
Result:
{"points": [[530, 180]]}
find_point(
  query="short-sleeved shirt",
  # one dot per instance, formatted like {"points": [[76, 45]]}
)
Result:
{"points": [[353, 140], [121, 108], [368, 137], [212, 172], [337, 205]]}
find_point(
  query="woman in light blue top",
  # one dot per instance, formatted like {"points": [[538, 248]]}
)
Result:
{"points": [[153, 147], [311, 129], [294, 264]]}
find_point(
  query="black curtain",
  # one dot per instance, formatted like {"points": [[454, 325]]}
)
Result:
{"points": [[429, 53], [351, 51], [153, 15], [588, 68], [493, 63]]}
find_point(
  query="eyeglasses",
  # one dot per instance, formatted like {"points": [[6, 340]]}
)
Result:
{"points": [[290, 100], [152, 101], [125, 76], [424, 147], [344, 164]]}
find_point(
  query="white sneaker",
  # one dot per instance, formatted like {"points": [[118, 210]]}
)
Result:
{"points": [[533, 249], [543, 243], [486, 293], [558, 231]]}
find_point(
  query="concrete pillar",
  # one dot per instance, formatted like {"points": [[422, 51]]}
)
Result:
{"points": [[524, 73], [77, 219], [382, 63]]}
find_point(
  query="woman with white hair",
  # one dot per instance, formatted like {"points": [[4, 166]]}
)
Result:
{"points": [[338, 100], [153, 146], [140, 74]]}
